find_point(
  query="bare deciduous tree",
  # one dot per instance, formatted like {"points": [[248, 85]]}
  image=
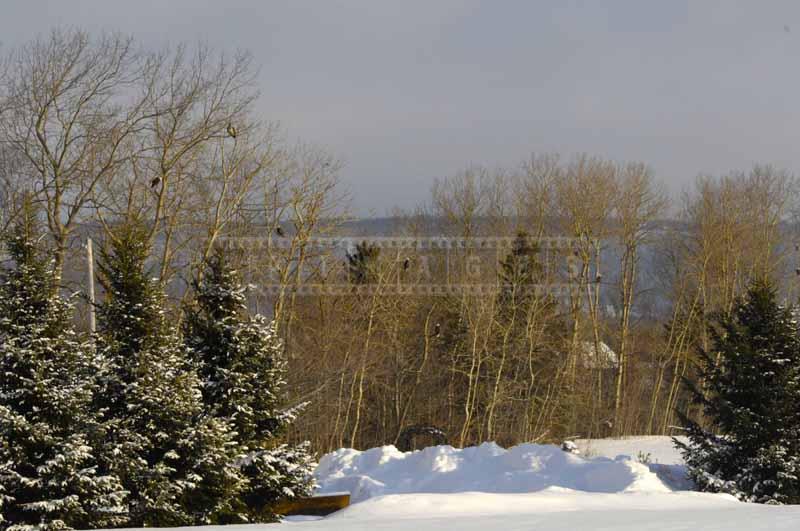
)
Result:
{"points": [[69, 106]]}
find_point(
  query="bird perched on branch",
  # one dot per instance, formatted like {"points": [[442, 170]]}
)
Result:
{"points": [[231, 131], [279, 232], [437, 329], [406, 264], [155, 182]]}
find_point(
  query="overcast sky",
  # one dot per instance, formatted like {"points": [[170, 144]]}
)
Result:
{"points": [[406, 91]]}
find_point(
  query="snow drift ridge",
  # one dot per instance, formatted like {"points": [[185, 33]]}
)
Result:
{"points": [[485, 468]]}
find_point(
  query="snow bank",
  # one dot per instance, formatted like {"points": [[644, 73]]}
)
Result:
{"points": [[486, 468], [658, 452], [657, 449]]}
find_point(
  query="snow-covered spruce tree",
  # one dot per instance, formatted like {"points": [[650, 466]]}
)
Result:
{"points": [[157, 440], [48, 473], [240, 360], [751, 395]]}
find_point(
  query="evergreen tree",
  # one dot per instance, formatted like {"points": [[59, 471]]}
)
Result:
{"points": [[48, 473], [519, 304], [361, 263], [241, 363], [519, 271], [217, 484], [752, 397], [156, 439]]}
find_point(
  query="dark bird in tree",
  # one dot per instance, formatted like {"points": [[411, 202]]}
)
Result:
{"points": [[155, 182], [279, 232], [437, 329], [406, 264], [598, 278], [231, 131]]}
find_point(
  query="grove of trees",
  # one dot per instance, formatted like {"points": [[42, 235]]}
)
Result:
{"points": [[161, 157], [137, 425]]}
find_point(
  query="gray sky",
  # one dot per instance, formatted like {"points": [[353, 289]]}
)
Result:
{"points": [[406, 91]]}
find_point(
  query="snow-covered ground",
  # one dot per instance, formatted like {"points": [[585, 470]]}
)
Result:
{"points": [[551, 509], [486, 468], [556, 509], [632, 483], [625, 484], [656, 449]]}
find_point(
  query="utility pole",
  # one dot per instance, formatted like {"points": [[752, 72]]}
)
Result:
{"points": [[90, 284]]}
